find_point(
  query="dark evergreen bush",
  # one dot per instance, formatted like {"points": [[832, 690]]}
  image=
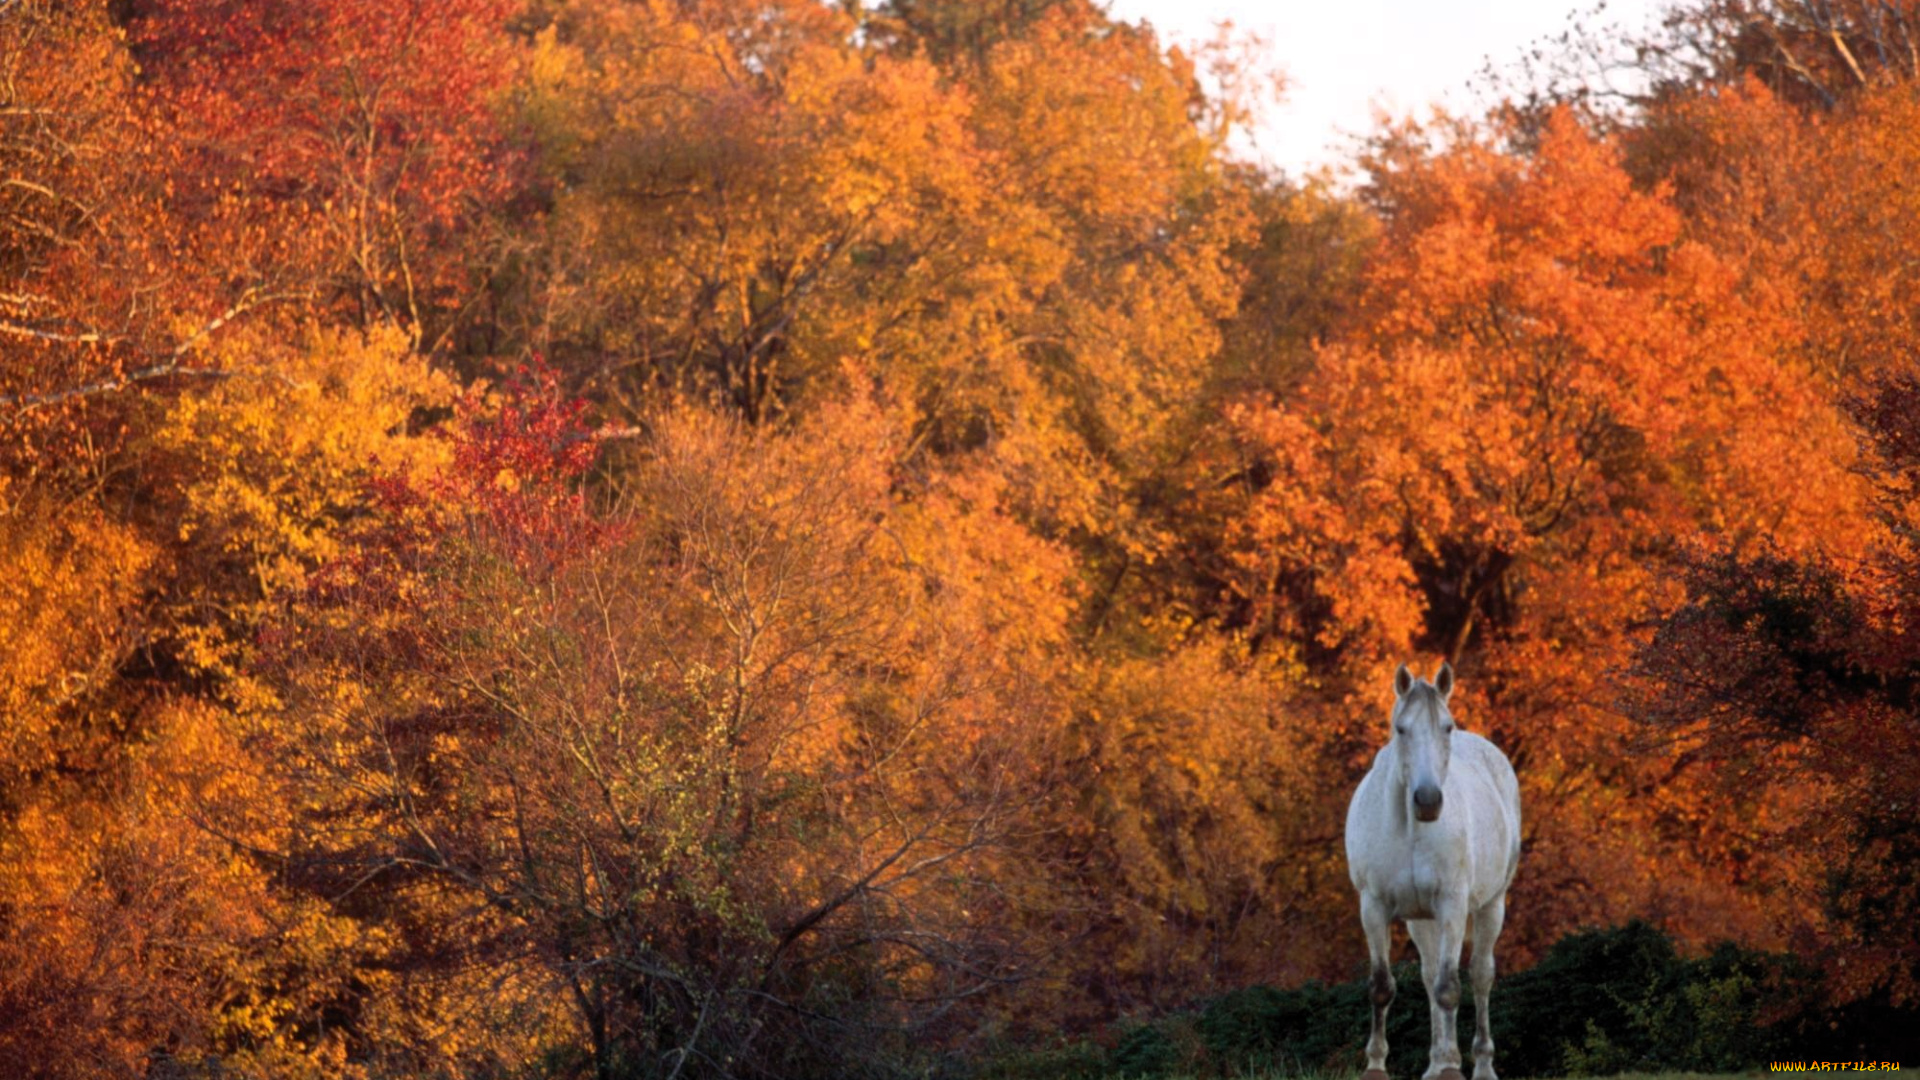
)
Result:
{"points": [[1608, 1001], [1600, 1002]]}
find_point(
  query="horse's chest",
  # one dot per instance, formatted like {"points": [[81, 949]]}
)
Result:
{"points": [[1417, 887]]}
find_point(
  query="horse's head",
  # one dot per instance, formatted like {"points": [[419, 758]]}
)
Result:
{"points": [[1423, 737]]}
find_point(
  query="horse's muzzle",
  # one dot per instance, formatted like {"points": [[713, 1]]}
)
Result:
{"points": [[1426, 802]]}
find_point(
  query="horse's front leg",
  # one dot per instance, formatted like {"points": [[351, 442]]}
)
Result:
{"points": [[1487, 922], [1439, 940], [1379, 930]]}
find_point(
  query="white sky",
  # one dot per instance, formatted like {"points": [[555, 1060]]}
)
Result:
{"points": [[1342, 58]]}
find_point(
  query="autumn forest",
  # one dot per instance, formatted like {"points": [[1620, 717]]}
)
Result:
{"points": [[765, 538]]}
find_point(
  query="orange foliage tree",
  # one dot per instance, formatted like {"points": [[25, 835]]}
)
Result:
{"points": [[1786, 665], [1544, 391], [942, 582], [662, 779], [1029, 250]]}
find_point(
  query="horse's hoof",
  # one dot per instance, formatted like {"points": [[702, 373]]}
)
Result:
{"points": [[1375, 1074], [1450, 1074]]}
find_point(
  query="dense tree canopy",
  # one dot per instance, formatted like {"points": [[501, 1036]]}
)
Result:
{"points": [[683, 538]]}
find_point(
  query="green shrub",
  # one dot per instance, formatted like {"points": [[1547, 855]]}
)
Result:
{"points": [[1601, 1002], [1618, 1000]]}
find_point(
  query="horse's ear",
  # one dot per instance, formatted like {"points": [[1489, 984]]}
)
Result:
{"points": [[1402, 681], [1443, 680]]}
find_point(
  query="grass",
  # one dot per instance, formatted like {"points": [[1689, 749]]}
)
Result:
{"points": [[1282, 1074]]}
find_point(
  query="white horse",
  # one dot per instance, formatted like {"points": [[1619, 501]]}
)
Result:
{"points": [[1433, 836]]}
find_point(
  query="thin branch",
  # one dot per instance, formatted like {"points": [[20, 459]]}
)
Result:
{"points": [[172, 365], [24, 405], [17, 330]]}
